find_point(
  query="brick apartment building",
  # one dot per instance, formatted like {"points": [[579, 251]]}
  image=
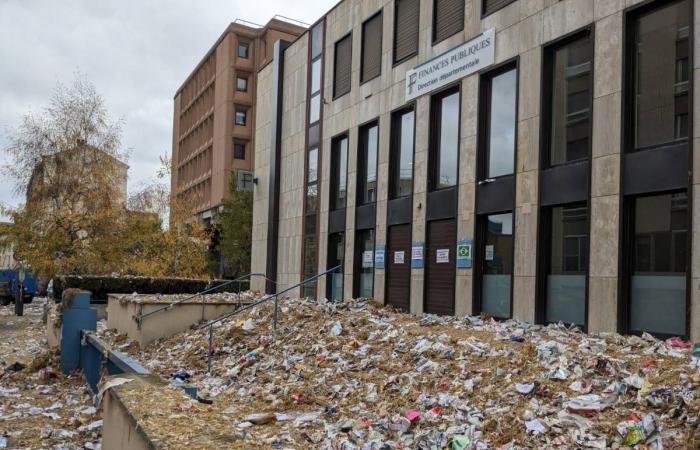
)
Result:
{"points": [[214, 112]]}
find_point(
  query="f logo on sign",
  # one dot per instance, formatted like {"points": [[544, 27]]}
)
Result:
{"points": [[411, 81]]}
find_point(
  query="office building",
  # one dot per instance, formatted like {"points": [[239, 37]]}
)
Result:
{"points": [[528, 159], [214, 115]]}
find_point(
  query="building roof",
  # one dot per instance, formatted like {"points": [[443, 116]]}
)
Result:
{"points": [[244, 27]]}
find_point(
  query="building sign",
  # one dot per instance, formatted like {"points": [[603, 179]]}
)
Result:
{"points": [[452, 65], [417, 255], [442, 255], [379, 257], [464, 254], [367, 259], [398, 257], [244, 180]]}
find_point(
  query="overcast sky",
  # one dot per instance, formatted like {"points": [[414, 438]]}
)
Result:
{"points": [[136, 52]]}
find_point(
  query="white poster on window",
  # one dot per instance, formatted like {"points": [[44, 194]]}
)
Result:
{"points": [[399, 257], [489, 253], [442, 255], [367, 259]]}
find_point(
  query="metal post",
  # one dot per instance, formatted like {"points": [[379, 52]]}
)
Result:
{"points": [[274, 322], [211, 349]]}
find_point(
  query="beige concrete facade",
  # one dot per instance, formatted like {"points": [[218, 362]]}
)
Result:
{"points": [[121, 316], [204, 127], [522, 29]]}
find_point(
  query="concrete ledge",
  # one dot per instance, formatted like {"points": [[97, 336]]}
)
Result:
{"points": [[121, 430], [121, 316], [147, 414]]}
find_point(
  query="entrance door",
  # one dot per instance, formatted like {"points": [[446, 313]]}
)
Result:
{"points": [[398, 267], [440, 267]]}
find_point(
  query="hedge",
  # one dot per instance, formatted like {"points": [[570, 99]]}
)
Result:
{"points": [[100, 286]]}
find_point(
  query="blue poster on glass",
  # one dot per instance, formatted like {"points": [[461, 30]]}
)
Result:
{"points": [[417, 255], [379, 257]]}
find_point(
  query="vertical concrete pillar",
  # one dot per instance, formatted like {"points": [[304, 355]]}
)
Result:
{"points": [[350, 203], [324, 189], [467, 188], [526, 210], [420, 183], [695, 267], [605, 175], [382, 196]]}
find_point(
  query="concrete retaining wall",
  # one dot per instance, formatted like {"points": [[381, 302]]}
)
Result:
{"points": [[121, 315]]}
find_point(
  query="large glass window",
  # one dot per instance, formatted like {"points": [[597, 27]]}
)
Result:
{"points": [[567, 264], [364, 264], [569, 82], [445, 141], [239, 150], [497, 265], [339, 173], [315, 108], [401, 154], [661, 75], [659, 264], [367, 165], [500, 99], [316, 75], [336, 256]]}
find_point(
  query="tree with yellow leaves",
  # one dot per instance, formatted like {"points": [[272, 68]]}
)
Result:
{"points": [[69, 163]]}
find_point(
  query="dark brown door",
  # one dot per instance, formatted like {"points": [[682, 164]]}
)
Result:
{"points": [[398, 267], [440, 267]]}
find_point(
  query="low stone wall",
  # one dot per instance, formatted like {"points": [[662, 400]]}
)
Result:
{"points": [[120, 429], [122, 313]]}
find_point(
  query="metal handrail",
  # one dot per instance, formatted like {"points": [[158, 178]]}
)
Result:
{"points": [[268, 297], [265, 299], [238, 280]]}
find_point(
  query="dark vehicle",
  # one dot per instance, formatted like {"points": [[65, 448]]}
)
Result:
{"points": [[9, 286]]}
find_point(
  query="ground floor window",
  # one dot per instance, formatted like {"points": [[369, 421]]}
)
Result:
{"points": [[566, 263], [497, 265], [364, 264], [309, 289], [659, 253], [336, 256]]}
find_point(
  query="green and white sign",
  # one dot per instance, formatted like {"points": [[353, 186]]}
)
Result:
{"points": [[464, 253]]}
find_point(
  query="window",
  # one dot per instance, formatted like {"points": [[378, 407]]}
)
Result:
{"points": [[342, 66], [406, 17], [660, 50], [448, 18], [339, 173], [241, 84], [401, 154], [317, 40], [371, 48], [567, 263], [445, 139], [367, 170], [336, 257], [569, 82], [316, 76], [497, 265], [500, 109], [239, 150], [491, 6], [312, 182], [243, 50], [240, 117], [364, 264], [659, 264], [315, 108]]}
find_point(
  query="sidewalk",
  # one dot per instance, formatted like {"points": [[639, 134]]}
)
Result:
{"points": [[40, 408]]}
